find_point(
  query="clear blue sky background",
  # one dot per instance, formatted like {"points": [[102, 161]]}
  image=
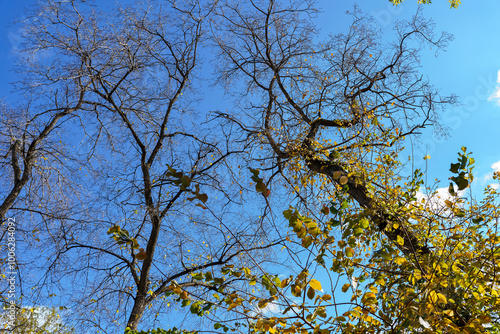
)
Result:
{"points": [[469, 69]]}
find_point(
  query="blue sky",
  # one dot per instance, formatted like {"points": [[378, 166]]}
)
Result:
{"points": [[469, 68]]}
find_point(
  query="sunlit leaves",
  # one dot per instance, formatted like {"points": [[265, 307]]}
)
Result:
{"points": [[160, 331], [315, 284], [464, 170], [122, 236], [411, 292], [260, 186], [453, 3], [184, 182]]}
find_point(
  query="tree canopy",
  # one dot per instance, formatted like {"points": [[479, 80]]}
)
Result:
{"points": [[289, 206], [35, 320]]}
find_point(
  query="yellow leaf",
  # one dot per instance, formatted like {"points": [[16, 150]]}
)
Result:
{"points": [[349, 252], [448, 313], [442, 298], [315, 284], [296, 290], [380, 281], [484, 319], [433, 296], [369, 298]]}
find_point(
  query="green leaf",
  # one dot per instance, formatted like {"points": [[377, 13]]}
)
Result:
{"points": [[334, 222], [310, 293], [113, 229], [454, 168], [462, 184], [451, 190], [333, 210], [321, 312], [262, 303], [307, 241], [463, 162], [477, 220], [255, 172], [202, 197], [197, 276], [349, 252], [218, 280], [186, 181], [385, 255], [364, 223]]}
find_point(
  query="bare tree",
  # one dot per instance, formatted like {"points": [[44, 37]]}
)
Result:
{"points": [[148, 189], [330, 117], [333, 107]]}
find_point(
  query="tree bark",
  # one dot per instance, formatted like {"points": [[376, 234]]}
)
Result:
{"points": [[382, 219]]}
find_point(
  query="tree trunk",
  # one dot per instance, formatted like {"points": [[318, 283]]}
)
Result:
{"points": [[359, 193]]}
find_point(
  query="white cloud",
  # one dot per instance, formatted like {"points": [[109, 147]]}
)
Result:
{"points": [[496, 166], [436, 201], [495, 96], [441, 195], [271, 309], [496, 169], [354, 282], [424, 323], [15, 39]]}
